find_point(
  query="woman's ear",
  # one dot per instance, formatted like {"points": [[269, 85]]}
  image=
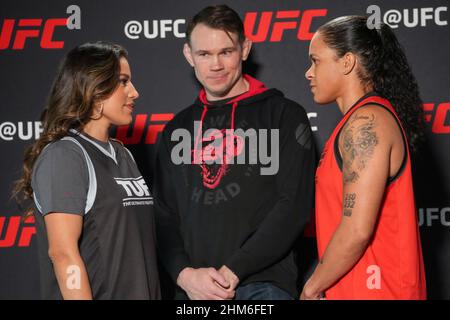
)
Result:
{"points": [[97, 111], [348, 62]]}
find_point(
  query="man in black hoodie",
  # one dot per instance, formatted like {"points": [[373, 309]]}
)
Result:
{"points": [[228, 217]]}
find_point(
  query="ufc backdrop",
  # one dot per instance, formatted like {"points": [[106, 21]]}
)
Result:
{"points": [[35, 35]]}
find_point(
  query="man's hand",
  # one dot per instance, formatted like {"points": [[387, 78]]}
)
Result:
{"points": [[204, 284], [230, 277]]}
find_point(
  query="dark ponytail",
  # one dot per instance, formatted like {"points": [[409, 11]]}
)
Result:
{"points": [[384, 68]]}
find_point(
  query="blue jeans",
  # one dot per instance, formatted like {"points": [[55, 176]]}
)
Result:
{"points": [[261, 291]]}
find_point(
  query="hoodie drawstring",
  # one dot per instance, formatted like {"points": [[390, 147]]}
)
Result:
{"points": [[199, 133], [232, 115], [202, 118]]}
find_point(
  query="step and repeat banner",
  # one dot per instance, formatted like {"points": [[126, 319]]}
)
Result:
{"points": [[35, 35]]}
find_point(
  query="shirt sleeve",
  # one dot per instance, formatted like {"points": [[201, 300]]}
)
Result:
{"points": [[170, 241], [60, 179], [277, 233]]}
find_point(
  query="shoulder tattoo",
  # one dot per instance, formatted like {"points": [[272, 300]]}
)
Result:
{"points": [[359, 140]]}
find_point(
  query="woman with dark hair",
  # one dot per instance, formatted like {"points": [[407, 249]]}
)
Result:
{"points": [[93, 210], [367, 231]]}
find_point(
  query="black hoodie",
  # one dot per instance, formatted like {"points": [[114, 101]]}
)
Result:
{"points": [[209, 215]]}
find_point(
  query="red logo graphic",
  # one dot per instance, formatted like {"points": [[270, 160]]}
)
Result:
{"points": [[438, 124], [137, 130], [14, 229], [214, 165], [284, 20], [22, 34]]}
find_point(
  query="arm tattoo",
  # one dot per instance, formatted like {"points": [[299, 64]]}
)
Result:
{"points": [[359, 140], [349, 203]]}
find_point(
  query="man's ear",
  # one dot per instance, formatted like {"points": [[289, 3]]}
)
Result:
{"points": [[188, 54], [348, 62], [246, 47]]}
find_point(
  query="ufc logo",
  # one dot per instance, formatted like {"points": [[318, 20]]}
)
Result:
{"points": [[427, 216], [22, 35], [31, 28], [283, 20], [11, 230], [134, 188], [438, 124], [157, 123], [158, 29], [164, 27]]}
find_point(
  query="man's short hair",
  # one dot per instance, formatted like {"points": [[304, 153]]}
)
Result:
{"points": [[219, 17]]}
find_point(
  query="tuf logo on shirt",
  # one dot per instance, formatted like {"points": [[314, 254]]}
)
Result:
{"points": [[136, 191]]}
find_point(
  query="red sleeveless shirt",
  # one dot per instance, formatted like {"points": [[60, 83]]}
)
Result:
{"points": [[392, 265]]}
